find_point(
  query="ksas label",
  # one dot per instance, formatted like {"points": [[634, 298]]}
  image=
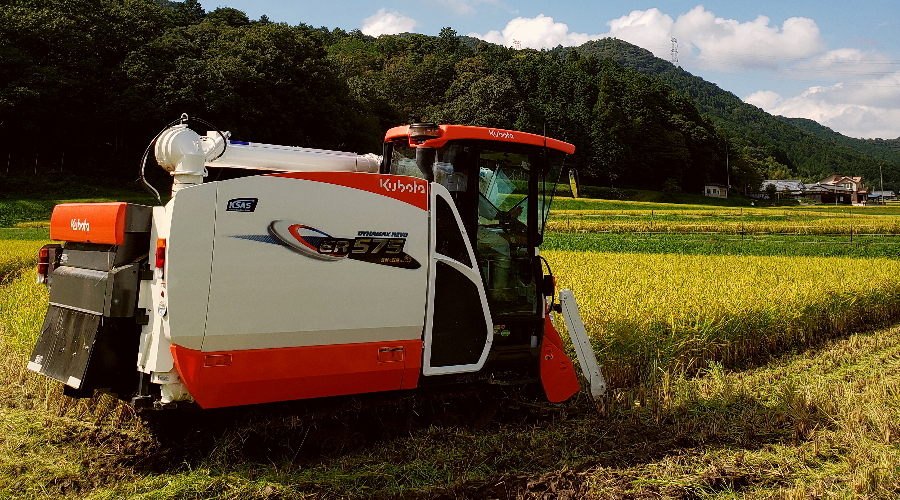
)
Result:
{"points": [[242, 205]]}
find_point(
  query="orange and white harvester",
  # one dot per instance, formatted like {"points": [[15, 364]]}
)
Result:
{"points": [[305, 273]]}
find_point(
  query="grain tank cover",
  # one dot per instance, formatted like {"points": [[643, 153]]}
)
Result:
{"points": [[102, 223]]}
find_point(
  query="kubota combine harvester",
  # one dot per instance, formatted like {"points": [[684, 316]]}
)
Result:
{"points": [[306, 273]]}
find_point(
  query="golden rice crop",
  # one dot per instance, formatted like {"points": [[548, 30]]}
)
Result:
{"points": [[728, 221], [16, 255], [706, 211], [23, 303], [648, 313]]}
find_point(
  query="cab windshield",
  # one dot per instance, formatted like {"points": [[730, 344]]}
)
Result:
{"points": [[503, 172], [502, 192]]}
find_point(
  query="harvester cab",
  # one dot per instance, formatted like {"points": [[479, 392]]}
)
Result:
{"points": [[312, 273]]}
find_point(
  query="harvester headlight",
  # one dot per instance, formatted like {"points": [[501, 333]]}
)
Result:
{"points": [[421, 132]]}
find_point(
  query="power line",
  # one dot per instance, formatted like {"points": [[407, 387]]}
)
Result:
{"points": [[751, 76], [773, 71], [674, 51], [801, 58], [886, 62], [800, 70]]}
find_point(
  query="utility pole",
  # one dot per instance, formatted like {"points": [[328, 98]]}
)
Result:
{"points": [[9, 155]]}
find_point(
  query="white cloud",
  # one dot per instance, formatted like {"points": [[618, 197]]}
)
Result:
{"points": [[537, 33], [387, 23], [650, 29], [865, 109], [765, 99], [848, 65], [717, 41], [726, 43], [866, 104]]}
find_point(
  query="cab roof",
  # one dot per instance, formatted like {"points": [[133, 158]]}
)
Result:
{"points": [[457, 132]]}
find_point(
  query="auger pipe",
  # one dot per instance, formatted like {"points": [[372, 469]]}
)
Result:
{"points": [[293, 159], [185, 155]]}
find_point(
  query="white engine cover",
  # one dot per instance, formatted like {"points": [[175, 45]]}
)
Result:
{"points": [[300, 259]]}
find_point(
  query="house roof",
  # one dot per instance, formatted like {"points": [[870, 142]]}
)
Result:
{"points": [[825, 188], [837, 178], [785, 185]]}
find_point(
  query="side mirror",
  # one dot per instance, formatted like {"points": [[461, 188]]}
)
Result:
{"points": [[573, 182]]}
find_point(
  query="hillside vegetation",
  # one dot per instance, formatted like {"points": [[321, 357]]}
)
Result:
{"points": [[886, 149], [87, 83], [809, 150]]}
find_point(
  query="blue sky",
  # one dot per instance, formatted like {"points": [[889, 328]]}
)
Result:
{"points": [[835, 62]]}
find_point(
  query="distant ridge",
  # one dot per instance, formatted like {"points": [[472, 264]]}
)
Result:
{"points": [[886, 149], [810, 149]]}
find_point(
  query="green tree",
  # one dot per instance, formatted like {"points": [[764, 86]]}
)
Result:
{"points": [[489, 102], [746, 174], [270, 79], [450, 43], [187, 13], [775, 170], [60, 75], [229, 17]]}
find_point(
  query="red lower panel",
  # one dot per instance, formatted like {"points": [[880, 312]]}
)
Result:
{"points": [[557, 371], [413, 364], [233, 378]]}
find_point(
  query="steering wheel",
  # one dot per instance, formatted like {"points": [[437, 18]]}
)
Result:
{"points": [[507, 220]]}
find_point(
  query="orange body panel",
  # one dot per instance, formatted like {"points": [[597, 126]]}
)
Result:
{"points": [[406, 189], [557, 371], [455, 132], [89, 223], [219, 379]]}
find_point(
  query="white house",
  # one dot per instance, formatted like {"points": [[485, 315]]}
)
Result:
{"points": [[714, 190]]}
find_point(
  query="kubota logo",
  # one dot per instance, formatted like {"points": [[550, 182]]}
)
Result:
{"points": [[403, 187], [501, 135], [80, 225], [318, 244]]}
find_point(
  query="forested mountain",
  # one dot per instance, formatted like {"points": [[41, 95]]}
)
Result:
{"points": [[85, 85], [810, 150], [886, 149]]}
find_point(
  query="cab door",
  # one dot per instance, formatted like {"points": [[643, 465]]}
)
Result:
{"points": [[458, 326]]}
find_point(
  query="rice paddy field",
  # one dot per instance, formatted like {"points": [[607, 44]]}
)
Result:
{"points": [[637, 217], [756, 363]]}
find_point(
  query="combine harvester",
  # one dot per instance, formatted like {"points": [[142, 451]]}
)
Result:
{"points": [[309, 273]]}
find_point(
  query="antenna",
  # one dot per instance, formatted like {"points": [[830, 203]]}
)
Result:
{"points": [[517, 45], [675, 51]]}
